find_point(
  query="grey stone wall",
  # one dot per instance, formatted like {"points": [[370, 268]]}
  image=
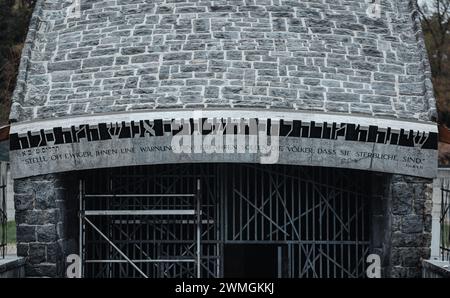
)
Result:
{"points": [[46, 223], [401, 218], [125, 55]]}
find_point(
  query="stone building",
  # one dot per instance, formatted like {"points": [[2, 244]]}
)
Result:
{"points": [[332, 99]]}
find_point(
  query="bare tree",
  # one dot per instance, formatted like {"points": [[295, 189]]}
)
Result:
{"points": [[435, 16]]}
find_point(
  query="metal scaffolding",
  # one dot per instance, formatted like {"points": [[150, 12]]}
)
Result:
{"points": [[176, 220], [131, 224]]}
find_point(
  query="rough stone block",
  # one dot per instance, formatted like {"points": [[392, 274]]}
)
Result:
{"points": [[46, 233], [23, 202], [98, 62], [26, 233], [64, 65]]}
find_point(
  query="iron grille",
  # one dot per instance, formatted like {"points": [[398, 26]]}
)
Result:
{"points": [[320, 214], [317, 217]]}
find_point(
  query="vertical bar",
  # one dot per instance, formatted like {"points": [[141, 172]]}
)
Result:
{"points": [[148, 232], [277, 200], [199, 223], [270, 207], [290, 259], [363, 233], [217, 217], [109, 226], [334, 223], [303, 204], [123, 219], [300, 267], [284, 181], [279, 262], [226, 202], [349, 233], [141, 238], [293, 201], [313, 192], [241, 183], [133, 223], [307, 231], [249, 198], [320, 219], [357, 236], [263, 207], [233, 201], [341, 202], [327, 182], [255, 185], [224, 212], [80, 215]]}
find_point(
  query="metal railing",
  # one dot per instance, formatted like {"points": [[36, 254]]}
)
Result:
{"points": [[3, 211], [445, 221]]}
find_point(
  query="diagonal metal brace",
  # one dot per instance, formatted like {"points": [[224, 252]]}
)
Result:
{"points": [[114, 246]]}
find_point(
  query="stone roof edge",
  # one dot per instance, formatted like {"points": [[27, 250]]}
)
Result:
{"points": [[20, 89], [36, 18], [429, 90]]}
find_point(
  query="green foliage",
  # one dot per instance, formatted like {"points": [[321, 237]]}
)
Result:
{"points": [[14, 19], [10, 232]]}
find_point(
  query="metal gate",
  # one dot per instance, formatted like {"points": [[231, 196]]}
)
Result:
{"points": [[143, 222], [176, 220], [320, 215]]}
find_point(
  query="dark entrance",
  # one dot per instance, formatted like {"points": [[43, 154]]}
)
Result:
{"points": [[250, 260], [190, 220]]}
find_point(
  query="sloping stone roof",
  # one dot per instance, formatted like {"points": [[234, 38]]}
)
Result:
{"points": [[317, 55]]}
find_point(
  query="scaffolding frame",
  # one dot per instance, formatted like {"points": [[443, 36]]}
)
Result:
{"points": [[194, 212]]}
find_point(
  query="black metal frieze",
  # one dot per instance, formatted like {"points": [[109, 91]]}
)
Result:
{"points": [[159, 127]]}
